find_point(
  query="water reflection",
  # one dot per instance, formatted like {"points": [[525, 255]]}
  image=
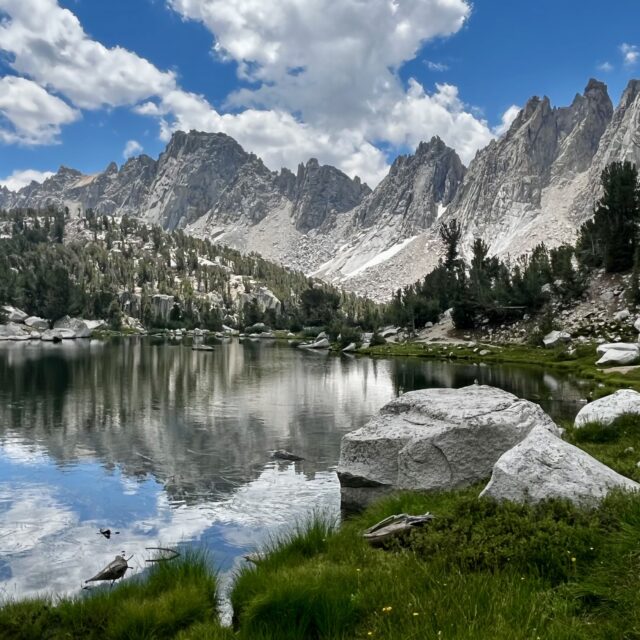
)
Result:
{"points": [[166, 444]]}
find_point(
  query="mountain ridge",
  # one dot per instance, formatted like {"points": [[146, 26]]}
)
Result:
{"points": [[537, 182]]}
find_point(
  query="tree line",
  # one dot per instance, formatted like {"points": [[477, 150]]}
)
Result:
{"points": [[52, 265]]}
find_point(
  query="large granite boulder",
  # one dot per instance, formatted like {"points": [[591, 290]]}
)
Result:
{"points": [[545, 466], [618, 354], [13, 331], [434, 439], [555, 338], [39, 324], [14, 315], [607, 409], [79, 327]]}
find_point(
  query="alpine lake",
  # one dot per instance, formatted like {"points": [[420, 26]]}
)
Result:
{"points": [[166, 446]]}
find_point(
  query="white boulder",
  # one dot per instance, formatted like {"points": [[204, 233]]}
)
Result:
{"points": [[555, 338], [607, 409], [323, 343], [636, 324], [39, 324], [601, 349], [52, 335], [545, 466], [619, 354], [350, 348], [13, 331], [14, 315], [434, 439], [77, 326], [621, 316]]}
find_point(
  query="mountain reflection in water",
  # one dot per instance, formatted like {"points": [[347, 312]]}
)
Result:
{"points": [[168, 445]]}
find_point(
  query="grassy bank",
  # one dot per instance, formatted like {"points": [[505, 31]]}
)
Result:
{"points": [[581, 363], [173, 599], [479, 570]]}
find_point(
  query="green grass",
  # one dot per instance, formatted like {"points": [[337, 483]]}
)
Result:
{"points": [[170, 598]]}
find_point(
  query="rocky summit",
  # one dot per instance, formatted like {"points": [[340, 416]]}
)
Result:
{"points": [[537, 182]]}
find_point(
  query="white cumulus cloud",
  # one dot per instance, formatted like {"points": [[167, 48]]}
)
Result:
{"points": [[29, 114], [507, 119], [132, 148], [48, 44], [436, 66], [21, 178], [316, 78], [336, 64], [630, 53]]}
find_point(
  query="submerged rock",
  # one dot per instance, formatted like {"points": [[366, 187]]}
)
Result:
{"points": [[434, 439], [607, 409], [545, 466]]}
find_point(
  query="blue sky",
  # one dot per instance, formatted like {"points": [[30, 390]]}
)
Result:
{"points": [[353, 83]]}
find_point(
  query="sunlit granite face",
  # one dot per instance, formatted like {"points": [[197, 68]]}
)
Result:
{"points": [[167, 445]]}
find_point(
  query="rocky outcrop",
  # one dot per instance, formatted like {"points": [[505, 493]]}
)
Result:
{"points": [[434, 439], [543, 466], [607, 409], [319, 192], [408, 201], [516, 191]]}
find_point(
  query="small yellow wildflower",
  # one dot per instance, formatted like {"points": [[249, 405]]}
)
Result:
{"points": [[573, 559], [415, 613]]}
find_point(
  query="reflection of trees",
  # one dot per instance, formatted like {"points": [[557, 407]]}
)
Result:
{"points": [[557, 393], [200, 422]]}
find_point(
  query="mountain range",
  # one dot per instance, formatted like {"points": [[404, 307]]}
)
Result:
{"points": [[537, 182]]}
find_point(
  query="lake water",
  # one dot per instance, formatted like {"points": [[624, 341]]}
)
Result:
{"points": [[172, 446]]}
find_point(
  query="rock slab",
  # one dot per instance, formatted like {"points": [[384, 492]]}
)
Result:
{"points": [[544, 466], [434, 439]]}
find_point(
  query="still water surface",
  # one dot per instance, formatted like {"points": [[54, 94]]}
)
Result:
{"points": [[172, 446]]}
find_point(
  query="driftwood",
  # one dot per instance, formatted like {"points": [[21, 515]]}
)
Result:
{"points": [[113, 571], [174, 554], [394, 526], [281, 454], [107, 533]]}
